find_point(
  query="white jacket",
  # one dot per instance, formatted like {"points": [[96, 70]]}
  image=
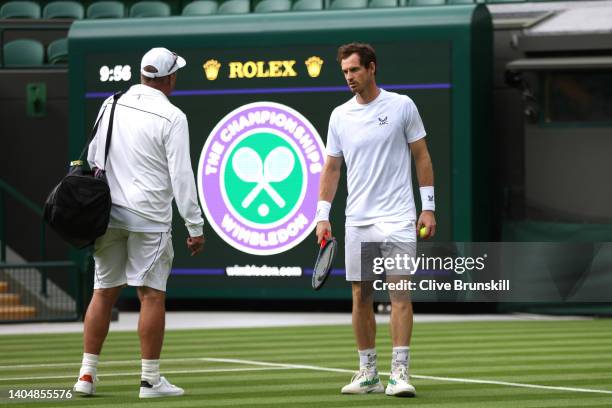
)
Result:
{"points": [[148, 163]]}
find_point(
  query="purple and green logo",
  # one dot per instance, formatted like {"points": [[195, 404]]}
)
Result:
{"points": [[258, 178]]}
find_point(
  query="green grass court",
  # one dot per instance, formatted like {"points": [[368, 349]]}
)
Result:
{"points": [[483, 364]]}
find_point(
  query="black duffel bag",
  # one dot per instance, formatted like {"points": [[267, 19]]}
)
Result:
{"points": [[78, 208]]}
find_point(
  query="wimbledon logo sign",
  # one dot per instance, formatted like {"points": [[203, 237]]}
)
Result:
{"points": [[258, 178]]}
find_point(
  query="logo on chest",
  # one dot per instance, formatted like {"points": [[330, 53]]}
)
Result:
{"points": [[383, 121]]}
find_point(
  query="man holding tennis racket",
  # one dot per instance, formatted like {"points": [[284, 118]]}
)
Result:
{"points": [[376, 132]]}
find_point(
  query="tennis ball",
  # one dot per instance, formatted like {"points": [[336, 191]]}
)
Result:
{"points": [[423, 232]]}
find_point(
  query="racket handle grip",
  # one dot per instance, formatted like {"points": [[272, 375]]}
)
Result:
{"points": [[325, 238]]}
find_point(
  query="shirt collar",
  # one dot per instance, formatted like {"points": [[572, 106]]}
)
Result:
{"points": [[146, 90], [374, 101]]}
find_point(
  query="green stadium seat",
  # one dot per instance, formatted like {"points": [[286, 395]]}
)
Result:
{"points": [[383, 3], [63, 9], [151, 8], [23, 53], [57, 51], [456, 2], [106, 9], [418, 3], [305, 5], [267, 6], [20, 9], [348, 4], [234, 7], [200, 8]]}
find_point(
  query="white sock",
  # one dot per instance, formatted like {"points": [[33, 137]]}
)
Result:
{"points": [[89, 365], [150, 371], [367, 359], [401, 356]]}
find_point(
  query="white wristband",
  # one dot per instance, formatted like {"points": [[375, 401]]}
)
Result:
{"points": [[323, 208], [428, 198]]}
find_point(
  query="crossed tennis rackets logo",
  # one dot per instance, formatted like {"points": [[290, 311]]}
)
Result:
{"points": [[258, 177], [276, 167]]}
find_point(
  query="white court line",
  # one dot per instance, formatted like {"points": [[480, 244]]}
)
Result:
{"points": [[281, 366], [210, 370]]}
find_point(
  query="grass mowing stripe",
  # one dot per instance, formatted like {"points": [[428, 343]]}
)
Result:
{"points": [[426, 328], [519, 359], [110, 363], [136, 373], [230, 336], [504, 351], [451, 357], [273, 375], [513, 343], [449, 350], [266, 400], [429, 344], [524, 337], [263, 332], [516, 364], [419, 358], [564, 343], [510, 368]]}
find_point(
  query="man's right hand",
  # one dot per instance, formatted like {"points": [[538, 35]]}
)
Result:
{"points": [[195, 244], [323, 229]]}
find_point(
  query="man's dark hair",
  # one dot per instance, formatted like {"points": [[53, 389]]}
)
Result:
{"points": [[365, 51]]}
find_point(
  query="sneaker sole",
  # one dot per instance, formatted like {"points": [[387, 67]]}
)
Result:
{"points": [[177, 394], [83, 392], [370, 391], [404, 394]]}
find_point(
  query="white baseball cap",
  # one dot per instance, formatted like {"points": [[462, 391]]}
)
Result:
{"points": [[163, 60]]}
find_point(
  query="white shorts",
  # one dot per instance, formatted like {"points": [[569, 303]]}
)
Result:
{"points": [[390, 235], [133, 258]]}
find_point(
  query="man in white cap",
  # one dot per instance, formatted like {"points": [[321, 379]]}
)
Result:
{"points": [[148, 165]]}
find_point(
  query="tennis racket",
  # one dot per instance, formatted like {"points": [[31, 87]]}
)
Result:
{"points": [[325, 259]]}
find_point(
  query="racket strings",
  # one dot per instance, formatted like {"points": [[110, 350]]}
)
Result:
{"points": [[325, 259]]}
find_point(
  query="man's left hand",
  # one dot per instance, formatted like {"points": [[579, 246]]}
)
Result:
{"points": [[195, 244], [427, 219]]}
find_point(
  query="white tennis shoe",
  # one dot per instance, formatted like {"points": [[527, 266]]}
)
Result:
{"points": [[364, 381], [398, 385], [85, 385], [162, 389]]}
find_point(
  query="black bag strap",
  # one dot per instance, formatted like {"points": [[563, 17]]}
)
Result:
{"points": [[109, 132]]}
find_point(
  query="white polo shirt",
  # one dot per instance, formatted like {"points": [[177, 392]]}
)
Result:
{"points": [[148, 164], [373, 139]]}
